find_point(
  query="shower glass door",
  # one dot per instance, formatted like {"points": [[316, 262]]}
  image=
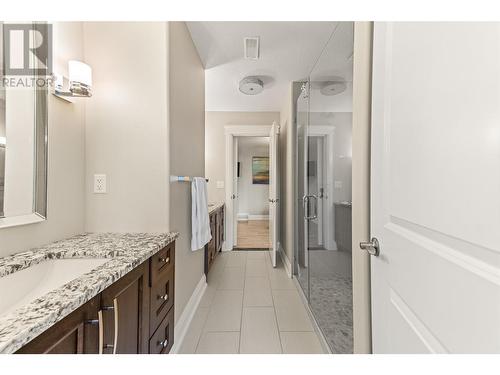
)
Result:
{"points": [[302, 120], [324, 135]]}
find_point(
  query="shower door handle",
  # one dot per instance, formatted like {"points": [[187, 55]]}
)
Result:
{"points": [[305, 201]]}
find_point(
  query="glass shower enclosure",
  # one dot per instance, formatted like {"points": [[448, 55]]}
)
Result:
{"points": [[323, 119]]}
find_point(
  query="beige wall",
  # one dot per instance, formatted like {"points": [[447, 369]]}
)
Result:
{"points": [[66, 208], [187, 153], [215, 162], [126, 126]]}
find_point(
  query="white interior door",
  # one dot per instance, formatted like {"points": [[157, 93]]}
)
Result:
{"points": [[435, 188], [273, 193]]}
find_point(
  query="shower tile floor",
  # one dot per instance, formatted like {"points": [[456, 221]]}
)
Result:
{"points": [[331, 296]]}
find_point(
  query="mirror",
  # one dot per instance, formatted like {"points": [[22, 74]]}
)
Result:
{"points": [[23, 143]]}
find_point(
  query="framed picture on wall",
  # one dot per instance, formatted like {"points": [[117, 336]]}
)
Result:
{"points": [[260, 170]]}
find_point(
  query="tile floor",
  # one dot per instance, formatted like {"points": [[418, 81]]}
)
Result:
{"points": [[249, 307]]}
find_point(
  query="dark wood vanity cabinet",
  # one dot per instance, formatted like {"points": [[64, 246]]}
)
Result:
{"points": [[78, 333], [215, 244], [134, 315], [125, 314]]}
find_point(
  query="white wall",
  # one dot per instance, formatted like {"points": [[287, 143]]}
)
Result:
{"points": [[126, 126], [215, 162], [252, 198], [66, 208]]}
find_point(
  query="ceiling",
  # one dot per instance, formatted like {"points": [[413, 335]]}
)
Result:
{"points": [[288, 52]]}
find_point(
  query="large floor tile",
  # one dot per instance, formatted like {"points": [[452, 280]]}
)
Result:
{"points": [[219, 343], [258, 254], [300, 343], [209, 295], [225, 311], [257, 292], [236, 259], [233, 278], [259, 331], [256, 267], [290, 311], [280, 280], [194, 332]]}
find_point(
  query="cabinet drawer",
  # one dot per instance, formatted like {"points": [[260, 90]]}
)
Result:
{"points": [[162, 262], [162, 340], [162, 298]]}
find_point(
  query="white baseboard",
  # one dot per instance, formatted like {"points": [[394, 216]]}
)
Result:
{"points": [[182, 325], [258, 217], [285, 260]]}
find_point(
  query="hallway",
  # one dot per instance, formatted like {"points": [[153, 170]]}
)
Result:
{"points": [[249, 307], [253, 234]]}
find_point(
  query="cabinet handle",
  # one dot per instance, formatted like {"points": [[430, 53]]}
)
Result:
{"points": [[164, 297], [165, 260], [101, 327], [115, 342], [101, 332]]}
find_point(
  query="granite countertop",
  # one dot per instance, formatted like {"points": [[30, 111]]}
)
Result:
{"points": [[125, 252], [214, 206]]}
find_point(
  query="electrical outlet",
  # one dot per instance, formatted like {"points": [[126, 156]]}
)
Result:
{"points": [[220, 184], [338, 185], [100, 184]]}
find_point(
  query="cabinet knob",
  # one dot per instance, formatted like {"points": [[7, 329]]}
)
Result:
{"points": [[164, 297], [165, 260], [163, 343]]}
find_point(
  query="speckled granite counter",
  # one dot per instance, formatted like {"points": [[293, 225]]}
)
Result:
{"points": [[214, 206], [125, 252]]}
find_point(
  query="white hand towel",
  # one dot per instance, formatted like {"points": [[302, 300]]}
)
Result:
{"points": [[200, 221]]}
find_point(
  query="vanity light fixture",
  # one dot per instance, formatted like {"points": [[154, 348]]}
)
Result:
{"points": [[79, 83]]}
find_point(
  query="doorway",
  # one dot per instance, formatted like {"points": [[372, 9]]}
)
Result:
{"points": [[264, 172], [252, 194]]}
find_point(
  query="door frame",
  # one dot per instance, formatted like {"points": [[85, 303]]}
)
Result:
{"points": [[230, 132], [361, 161], [328, 134]]}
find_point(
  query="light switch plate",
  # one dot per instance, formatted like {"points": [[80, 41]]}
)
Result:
{"points": [[338, 184], [220, 184], [100, 184]]}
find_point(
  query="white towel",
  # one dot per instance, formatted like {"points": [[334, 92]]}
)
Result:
{"points": [[200, 221]]}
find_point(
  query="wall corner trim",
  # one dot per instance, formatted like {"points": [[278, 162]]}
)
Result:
{"points": [[182, 325]]}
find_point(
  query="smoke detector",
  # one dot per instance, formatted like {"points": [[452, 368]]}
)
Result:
{"points": [[251, 86], [333, 88], [251, 47]]}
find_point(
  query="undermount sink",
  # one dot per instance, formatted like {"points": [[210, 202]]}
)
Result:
{"points": [[22, 287]]}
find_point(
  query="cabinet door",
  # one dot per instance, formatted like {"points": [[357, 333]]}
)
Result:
{"points": [[75, 334], [125, 314]]}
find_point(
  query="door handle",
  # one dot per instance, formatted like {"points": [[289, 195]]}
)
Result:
{"points": [[305, 201], [373, 247]]}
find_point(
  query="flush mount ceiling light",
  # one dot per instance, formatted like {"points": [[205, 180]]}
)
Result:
{"points": [[332, 88], [251, 86]]}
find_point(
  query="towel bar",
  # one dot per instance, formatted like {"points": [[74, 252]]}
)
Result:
{"points": [[182, 178]]}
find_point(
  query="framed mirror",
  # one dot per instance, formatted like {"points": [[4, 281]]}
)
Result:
{"points": [[23, 140]]}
